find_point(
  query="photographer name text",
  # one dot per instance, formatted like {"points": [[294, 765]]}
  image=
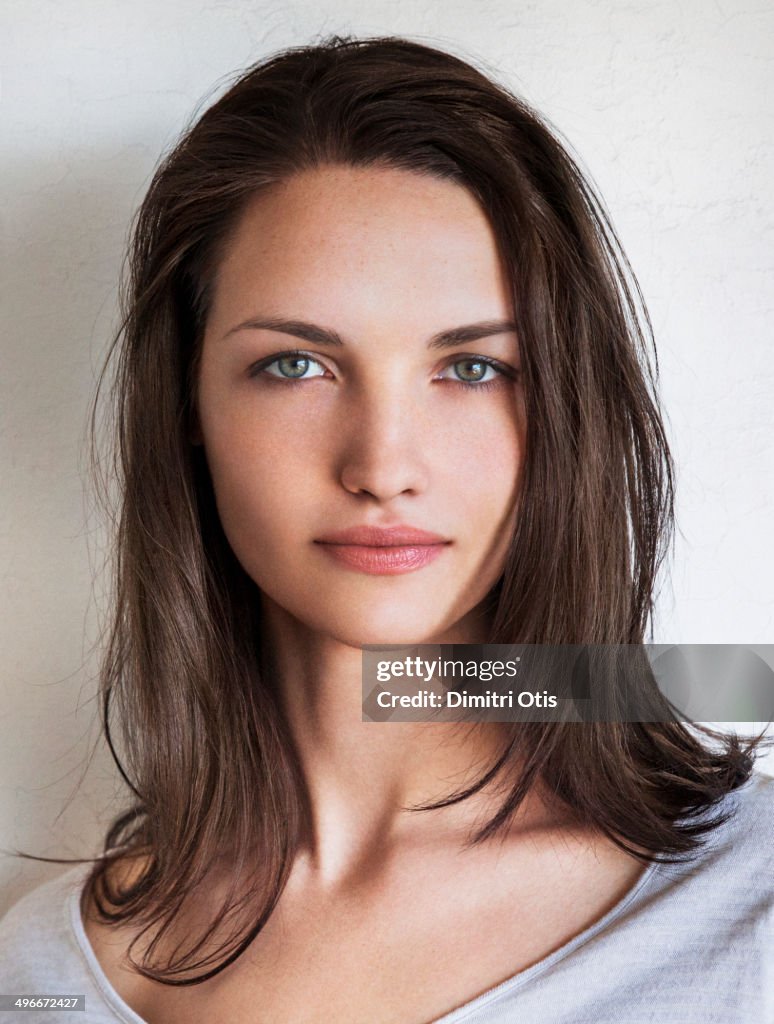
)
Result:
{"points": [[463, 699]]}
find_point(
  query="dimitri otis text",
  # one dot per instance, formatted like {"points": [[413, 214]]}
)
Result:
{"points": [[463, 699]]}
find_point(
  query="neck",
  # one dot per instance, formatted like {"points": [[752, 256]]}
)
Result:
{"points": [[360, 777]]}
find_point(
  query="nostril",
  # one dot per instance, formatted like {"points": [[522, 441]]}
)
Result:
{"points": [[382, 483]]}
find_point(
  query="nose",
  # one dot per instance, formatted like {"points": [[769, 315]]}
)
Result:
{"points": [[384, 444]]}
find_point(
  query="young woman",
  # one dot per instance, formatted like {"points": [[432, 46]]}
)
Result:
{"points": [[383, 377]]}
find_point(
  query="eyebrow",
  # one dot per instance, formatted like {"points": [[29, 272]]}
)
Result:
{"points": [[326, 336]]}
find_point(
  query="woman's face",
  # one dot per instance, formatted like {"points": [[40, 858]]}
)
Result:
{"points": [[364, 408]]}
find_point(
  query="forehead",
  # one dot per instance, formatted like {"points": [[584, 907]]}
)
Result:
{"points": [[338, 234]]}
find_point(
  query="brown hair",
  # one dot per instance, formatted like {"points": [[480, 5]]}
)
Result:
{"points": [[205, 749]]}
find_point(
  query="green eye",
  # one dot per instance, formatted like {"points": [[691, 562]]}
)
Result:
{"points": [[292, 366], [471, 370]]}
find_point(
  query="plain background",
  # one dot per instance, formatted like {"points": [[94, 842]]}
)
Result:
{"points": [[669, 107]]}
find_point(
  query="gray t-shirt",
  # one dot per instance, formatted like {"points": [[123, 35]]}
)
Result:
{"points": [[688, 944]]}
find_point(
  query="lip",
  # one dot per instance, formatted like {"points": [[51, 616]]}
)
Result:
{"points": [[383, 537], [384, 551]]}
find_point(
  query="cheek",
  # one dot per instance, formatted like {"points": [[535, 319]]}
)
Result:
{"points": [[258, 480], [484, 465]]}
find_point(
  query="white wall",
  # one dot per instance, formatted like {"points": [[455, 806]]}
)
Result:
{"points": [[669, 106]]}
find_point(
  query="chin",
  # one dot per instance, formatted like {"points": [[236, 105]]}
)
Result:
{"points": [[384, 630], [359, 619], [398, 624]]}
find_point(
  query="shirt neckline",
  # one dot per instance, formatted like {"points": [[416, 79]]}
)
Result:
{"points": [[526, 975], [521, 978], [121, 1008], [130, 1016]]}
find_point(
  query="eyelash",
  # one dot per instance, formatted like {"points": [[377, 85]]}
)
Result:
{"points": [[257, 369]]}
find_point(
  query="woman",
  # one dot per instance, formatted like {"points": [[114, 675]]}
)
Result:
{"points": [[382, 379]]}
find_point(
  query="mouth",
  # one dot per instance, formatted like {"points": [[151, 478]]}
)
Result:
{"points": [[384, 551]]}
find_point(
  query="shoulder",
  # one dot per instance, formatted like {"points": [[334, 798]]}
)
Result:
{"points": [[44, 949], [732, 875], [38, 948], [749, 827]]}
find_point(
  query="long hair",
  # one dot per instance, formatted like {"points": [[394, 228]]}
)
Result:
{"points": [[217, 791]]}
